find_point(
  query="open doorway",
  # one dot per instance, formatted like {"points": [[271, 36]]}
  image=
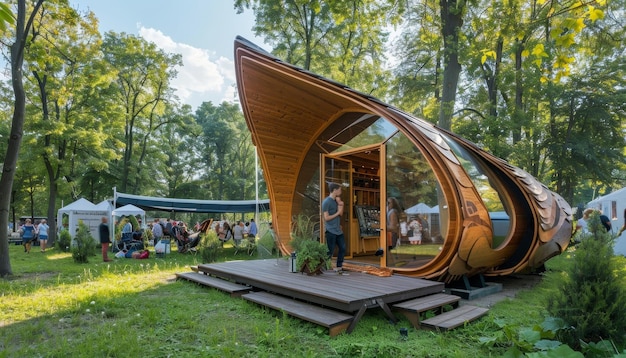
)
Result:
{"points": [[358, 171]]}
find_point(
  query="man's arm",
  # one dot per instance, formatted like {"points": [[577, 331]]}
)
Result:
{"points": [[328, 217]]}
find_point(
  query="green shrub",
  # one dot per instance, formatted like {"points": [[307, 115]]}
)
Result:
{"points": [[591, 297], [210, 246], [64, 241], [85, 244], [302, 229], [309, 251]]}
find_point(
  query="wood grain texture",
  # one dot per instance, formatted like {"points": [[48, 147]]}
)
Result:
{"points": [[293, 115]]}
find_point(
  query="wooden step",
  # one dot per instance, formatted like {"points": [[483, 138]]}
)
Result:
{"points": [[412, 309], [455, 318], [233, 288], [336, 322]]}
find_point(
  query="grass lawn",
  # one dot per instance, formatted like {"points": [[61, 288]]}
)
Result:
{"points": [[53, 307]]}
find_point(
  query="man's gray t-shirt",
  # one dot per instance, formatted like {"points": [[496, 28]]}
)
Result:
{"points": [[334, 225]]}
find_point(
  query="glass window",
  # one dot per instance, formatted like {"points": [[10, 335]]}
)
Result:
{"points": [[416, 225]]}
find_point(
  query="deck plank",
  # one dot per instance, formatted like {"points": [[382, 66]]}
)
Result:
{"points": [[413, 308], [455, 318], [336, 322], [233, 288]]}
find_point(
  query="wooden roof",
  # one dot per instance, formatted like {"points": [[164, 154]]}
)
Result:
{"points": [[290, 111]]}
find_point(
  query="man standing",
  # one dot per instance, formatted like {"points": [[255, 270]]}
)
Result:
{"points": [[168, 228], [253, 229], [104, 238], [332, 207], [157, 231]]}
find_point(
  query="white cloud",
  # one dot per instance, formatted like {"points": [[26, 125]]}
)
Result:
{"points": [[201, 78]]}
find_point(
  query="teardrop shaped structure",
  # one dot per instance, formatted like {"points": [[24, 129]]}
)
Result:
{"points": [[436, 205]]}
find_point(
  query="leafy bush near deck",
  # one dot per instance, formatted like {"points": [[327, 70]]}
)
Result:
{"points": [[591, 297]]}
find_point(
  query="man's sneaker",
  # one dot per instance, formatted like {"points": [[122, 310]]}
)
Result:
{"points": [[340, 271]]}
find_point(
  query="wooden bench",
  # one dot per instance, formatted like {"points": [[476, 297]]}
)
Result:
{"points": [[414, 308], [233, 288], [455, 318], [336, 322]]}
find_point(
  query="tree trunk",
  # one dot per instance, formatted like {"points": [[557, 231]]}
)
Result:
{"points": [[452, 20], [17, 127]]}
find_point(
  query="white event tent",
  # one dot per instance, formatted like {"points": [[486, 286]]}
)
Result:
{"points": [[613, 205], [85, 211]]}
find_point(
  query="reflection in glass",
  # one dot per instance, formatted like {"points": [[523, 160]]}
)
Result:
{"points": [[487, 190], [412, 182]]}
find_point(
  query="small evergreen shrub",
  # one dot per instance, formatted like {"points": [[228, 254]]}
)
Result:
{"points": [[592, 296], [210, 246], [64, 241], [85, 244]]}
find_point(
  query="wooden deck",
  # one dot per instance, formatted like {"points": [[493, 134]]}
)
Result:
{"points": [[344, 293], [352, 294]]}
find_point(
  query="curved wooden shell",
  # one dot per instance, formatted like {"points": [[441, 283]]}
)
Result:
{"points": [[287, 109]]}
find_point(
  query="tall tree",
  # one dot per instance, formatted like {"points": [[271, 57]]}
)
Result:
{"points": [[22, 37], [451, 22], [142, 89], [70, 79], [219, 125]]}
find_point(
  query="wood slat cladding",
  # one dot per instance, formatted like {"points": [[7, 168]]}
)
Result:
{"points": [[295, 116]]}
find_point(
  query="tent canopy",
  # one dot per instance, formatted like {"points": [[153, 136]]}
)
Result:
{"points": [[80, 204], [85, 211], [191, 205], [128, 210], [421, 208]]}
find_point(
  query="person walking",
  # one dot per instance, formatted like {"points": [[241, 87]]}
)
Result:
{"points": [[332, 207], [42, 230], [28, 231], [105, 240]]}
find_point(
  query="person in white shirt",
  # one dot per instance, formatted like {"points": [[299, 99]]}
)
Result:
{"points": [[157, 231], [42, 230]]}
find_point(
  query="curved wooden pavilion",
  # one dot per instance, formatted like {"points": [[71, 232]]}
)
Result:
{"points": [[310, 131]]}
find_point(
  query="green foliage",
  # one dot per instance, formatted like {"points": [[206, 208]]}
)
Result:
{"points": [[85, 244], [592, 297], [64, 241], [6, 17], [309, 251], [313, 254], [522, 341], [101, 300], [302, 229], [134, 222], [210, 246]]}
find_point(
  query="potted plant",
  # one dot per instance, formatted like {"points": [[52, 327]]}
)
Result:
{"points": [[311, 254]]}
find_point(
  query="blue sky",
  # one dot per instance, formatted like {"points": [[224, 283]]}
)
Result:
{"points": [[202, 31]]}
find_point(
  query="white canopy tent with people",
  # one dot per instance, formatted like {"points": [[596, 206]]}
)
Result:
{"points": [[85, 211]]}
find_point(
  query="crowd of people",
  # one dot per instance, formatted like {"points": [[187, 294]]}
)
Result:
{"points": [[237, 231], [188, 239]]}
